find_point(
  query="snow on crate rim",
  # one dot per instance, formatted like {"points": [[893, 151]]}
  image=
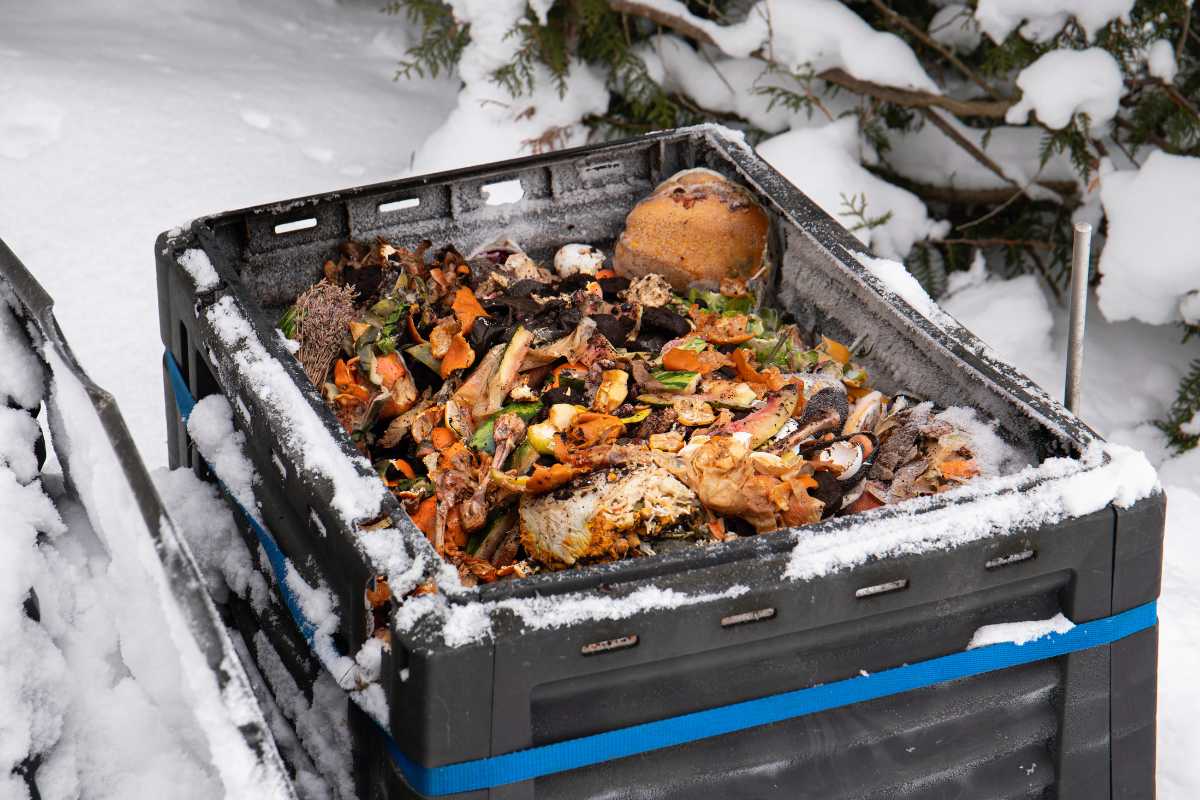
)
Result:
{"points": [[195, 262], [470, 623], [1057, 489], [356, 495]]}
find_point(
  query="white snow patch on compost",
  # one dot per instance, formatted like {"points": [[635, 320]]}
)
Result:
{"points": [[355, 496], [1041, 20], [195, 262], [1151, 260], [1063, 83], [823, 162], [1056, 490], [1019, 632]]}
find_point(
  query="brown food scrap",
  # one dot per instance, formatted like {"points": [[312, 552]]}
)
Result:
{"points": [[378, 591]]}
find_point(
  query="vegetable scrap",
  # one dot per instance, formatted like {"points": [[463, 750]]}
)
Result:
{"points": [[533, 416]]}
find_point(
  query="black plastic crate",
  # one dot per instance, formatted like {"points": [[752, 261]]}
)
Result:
{"points": [[1080, 725]]}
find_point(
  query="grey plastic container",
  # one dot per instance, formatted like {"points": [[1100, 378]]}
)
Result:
{"points": [[1080, 726]]}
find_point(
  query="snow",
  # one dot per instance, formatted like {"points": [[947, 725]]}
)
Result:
{"points": [[196, 262], [22, 377], [18, 432], [1192, 426], [1041, 20], [1160, 60], [1019, 632], [954, 26], [1189, 307], [119, 120], [204, 521], [926, 155], [211, 428], [467, 623], [900, 282], [1151, 260], [1055, 490], [813, 35], [1063, 83], [496, 125], [355, 496], [824, 163]]}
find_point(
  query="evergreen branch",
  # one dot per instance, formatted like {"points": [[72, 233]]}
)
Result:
{"points": [[906, 24], [910, 98]]}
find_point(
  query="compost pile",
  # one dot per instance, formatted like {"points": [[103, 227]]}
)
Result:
{"points": [[535, 416]]}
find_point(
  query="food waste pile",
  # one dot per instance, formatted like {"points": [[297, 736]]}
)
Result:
{"points": [[534, 416]]}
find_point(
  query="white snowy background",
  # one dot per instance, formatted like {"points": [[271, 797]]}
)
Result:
{"points": [[122, 118]]}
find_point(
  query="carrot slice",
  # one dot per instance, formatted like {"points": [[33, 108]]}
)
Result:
{"points": [[425, 517], [959, 469], [835, 350], [466, 308], [443, 437], [413, 333], [459, 356], [341, 375], [678, 359], [390, 369], [742, 359], [405, 468]]}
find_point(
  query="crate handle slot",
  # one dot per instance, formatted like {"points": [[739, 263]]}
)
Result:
{"points": [[398, 205], [882, 588], [295, 225], [608, 645], [1009, 560], [502, 193], [757, 615]]}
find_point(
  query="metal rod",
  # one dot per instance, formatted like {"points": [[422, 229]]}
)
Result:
{"points": [[1080, 258]]}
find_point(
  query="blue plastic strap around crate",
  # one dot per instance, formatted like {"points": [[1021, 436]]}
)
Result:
{"points": [[571, 754]]}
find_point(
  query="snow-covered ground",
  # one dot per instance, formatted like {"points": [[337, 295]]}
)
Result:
{"points": [[120, 119]]}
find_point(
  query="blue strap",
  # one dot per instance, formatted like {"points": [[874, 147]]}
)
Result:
{"points": [[571, 754]]}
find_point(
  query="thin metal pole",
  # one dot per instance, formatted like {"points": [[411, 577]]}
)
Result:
{"points": [[1080, 258]]}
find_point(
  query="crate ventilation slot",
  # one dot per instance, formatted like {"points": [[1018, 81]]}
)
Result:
{"points": [[1009, 560], [295, 225], [882, 588], [608, 645], [399, 205], [747, 616], [502, 193], [603, 167]]}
